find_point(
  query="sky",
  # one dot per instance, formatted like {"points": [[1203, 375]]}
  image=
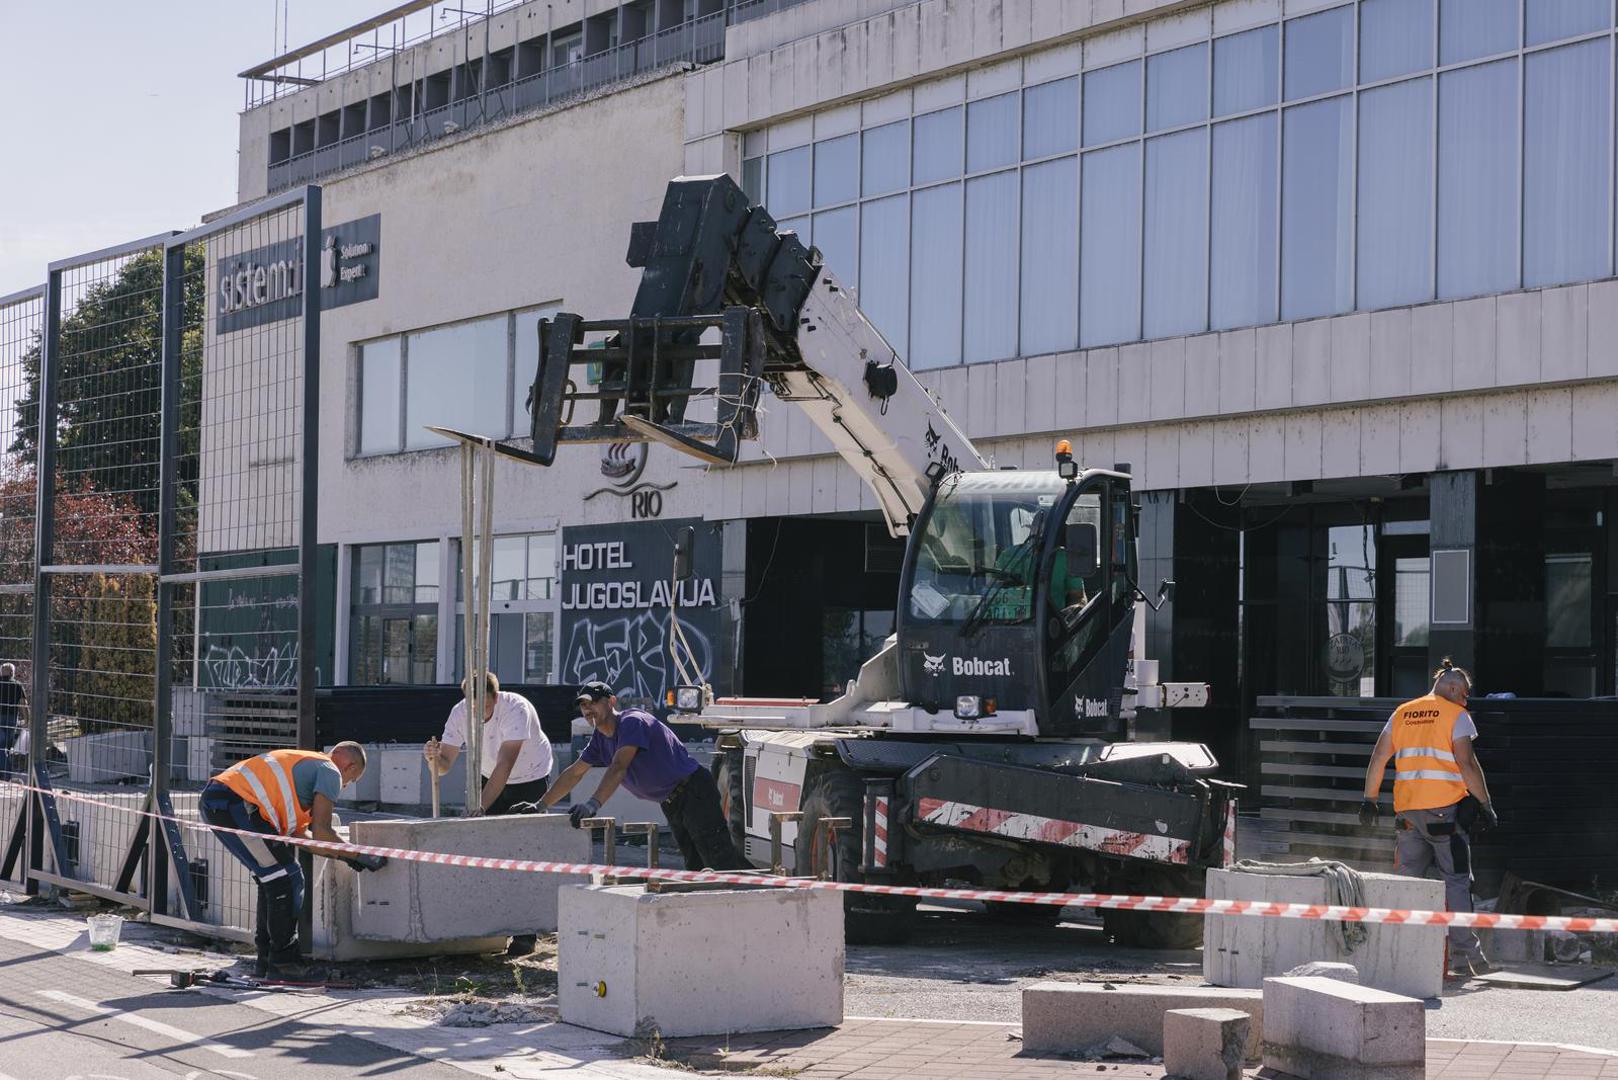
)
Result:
{"points": [[122, 115]]}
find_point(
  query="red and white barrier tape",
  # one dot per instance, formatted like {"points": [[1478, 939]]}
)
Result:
{"points": [[1172, 904]]}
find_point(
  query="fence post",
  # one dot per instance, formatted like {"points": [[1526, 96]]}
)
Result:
{"points": [[44, 542], [157, 853], [309, 504]]}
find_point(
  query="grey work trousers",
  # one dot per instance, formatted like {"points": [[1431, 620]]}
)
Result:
{"points": [[1428, 840]]}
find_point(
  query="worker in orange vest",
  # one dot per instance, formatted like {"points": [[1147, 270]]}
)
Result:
{"points": [[282, 793], [1439, 797]]}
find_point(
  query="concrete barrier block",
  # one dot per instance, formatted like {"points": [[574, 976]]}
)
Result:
{"points": [[1205, 1044], [422, 902], [1323, 1029], [1060, 1017], [109, 757], [1239, 950], [333, 895], [699, 963]]}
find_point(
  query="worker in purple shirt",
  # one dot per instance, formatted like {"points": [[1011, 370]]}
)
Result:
{"points": [[643, 754]]}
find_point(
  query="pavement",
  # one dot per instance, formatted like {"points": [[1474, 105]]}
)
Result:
{"points": [[67, 1012]]}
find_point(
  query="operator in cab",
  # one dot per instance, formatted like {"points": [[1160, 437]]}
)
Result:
{"points": [[643, 754]]}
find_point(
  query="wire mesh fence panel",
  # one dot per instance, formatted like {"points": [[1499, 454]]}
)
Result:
{"points": [[22, 320], [232, 556]]}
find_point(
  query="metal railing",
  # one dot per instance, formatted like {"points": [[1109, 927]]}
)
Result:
{"points": [[699, 41]]}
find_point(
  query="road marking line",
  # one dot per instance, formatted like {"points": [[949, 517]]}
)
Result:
{"points": [[155, 1026]]}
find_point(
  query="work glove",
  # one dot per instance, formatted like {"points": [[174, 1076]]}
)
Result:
{"points": [[526, 808], [1487, 818], [581, 811], [1370, 812], [368, 862]]}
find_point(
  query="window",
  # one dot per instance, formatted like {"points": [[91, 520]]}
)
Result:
{"points": [[992, 133], [1468, 29], [472, 376], [1477, 180], [393, 625], [1567, 601], [1317, 202], [1176, 300], [837, 170], [1177, 88], [884, 278], [1395, 194], [1320, 53], [991, 267], [788, 183], [1050, 256], [935, 296], [1247, 71], [1109, 258], [836, 234], [1568, 130], [1242, 237], [523, 612], [1112, 103], [1396, 38], [1050, 119], [939, 146], [885, 159], [1410, 598], [1552, 20]]}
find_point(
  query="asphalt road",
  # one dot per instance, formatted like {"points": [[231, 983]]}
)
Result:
{"points": [[64, 1019], [962, 965]]}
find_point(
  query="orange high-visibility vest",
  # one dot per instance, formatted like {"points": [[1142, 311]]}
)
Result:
{"points": [[1425, 773], [266, 782]]}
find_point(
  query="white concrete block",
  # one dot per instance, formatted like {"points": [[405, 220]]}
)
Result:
{"points": [[1128, 447], [1564, 333], [1266, 449], [1167, 388], [1390, 353], [1162, 457], [1505, 429], [1243, 951], [1381, 427], [1101, 387], [1340, 443], [1274, 357], [422, 902], [1422, 426], [1518, 325], [1205, 1044], [1134, 383], [109, 757], [1238, 362], [1311, 362], [1322, 1029], [1550, 426], [1432, 336], [1196, 455], [332, 899], [1595, 435], [1230, 452], [1460, 440], [701, 963], [1602, 340], [1350, 377], [1063, 1016], [1473, 364], [1303, 446]]}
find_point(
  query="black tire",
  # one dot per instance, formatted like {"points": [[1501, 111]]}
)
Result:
{"points": [[1013, 914], [727, 774], [867, 919], [1154, 929]]}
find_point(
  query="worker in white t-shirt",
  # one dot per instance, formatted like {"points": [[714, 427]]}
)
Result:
{"points": [[516, 754], [516, 759]]}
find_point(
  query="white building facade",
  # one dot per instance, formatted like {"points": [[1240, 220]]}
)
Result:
{"points": [[1335, 278]]}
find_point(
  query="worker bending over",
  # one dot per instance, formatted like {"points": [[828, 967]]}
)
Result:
{"points": [[1438, 794], [282, 793], [643, 754]]}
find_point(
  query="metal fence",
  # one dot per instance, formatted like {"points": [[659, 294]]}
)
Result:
{"points": [[156, 539]]}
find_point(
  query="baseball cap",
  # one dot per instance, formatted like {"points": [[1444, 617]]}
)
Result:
{"points": [[594, 690]]}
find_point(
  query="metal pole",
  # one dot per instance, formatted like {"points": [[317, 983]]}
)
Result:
{"points": [[485, 458], [157, 862], [473, 694], [44, 543], [308, 511]]}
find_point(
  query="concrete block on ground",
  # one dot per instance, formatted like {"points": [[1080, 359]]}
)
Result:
{"points": [[1060, 1017], [1322, 1029], [699, 963], [1327, 970], [423, 902], [1240, 950], [1205, 1044], [109, 757], [333, 896]]}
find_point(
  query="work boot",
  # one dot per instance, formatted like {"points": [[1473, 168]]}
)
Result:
{"points": [[522, 945], [286, 964]]}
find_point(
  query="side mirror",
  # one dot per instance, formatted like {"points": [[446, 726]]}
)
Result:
{"points": [[685, 542]]}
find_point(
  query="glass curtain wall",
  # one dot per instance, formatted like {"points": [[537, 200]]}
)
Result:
{"points": [[1372, 154]]}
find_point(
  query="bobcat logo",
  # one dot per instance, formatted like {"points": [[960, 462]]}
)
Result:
{"points": [[933, 665]]}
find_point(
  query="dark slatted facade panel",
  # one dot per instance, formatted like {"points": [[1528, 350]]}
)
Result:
{"points": [[1550, 766]]}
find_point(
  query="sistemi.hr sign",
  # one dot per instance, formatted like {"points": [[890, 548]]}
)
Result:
{"points": [[267, 284]]}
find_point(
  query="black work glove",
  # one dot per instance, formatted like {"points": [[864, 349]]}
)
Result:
{"points": [[1487, 818], [368, 862], [1370, 812], [581, 811]]}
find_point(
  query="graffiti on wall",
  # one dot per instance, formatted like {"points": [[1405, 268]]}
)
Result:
{"points": [[631, 654], [274, 667]]}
